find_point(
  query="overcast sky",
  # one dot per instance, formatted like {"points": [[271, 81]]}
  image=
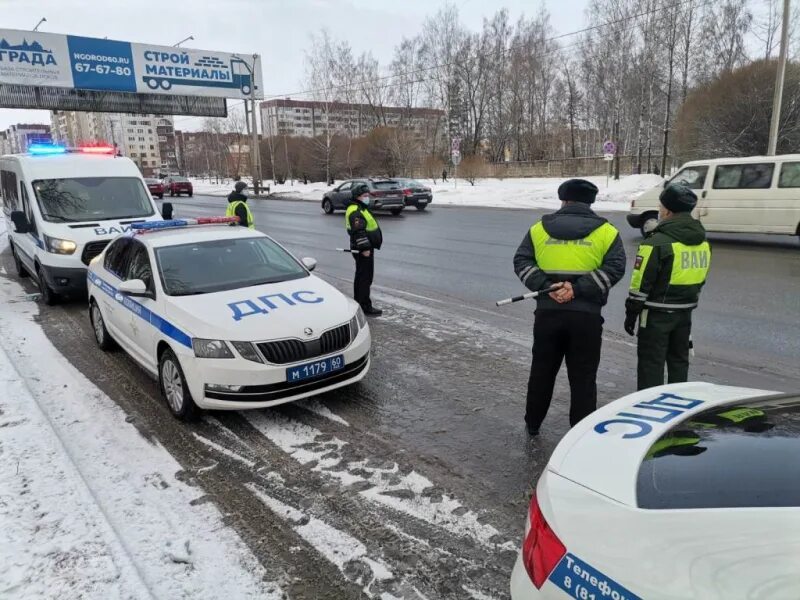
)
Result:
{"points": [[278, 30]]}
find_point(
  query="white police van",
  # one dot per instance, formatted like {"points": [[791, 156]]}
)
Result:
{"points": [[63, 206], [224, 317]]}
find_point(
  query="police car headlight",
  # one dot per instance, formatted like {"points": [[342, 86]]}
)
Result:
{"points": [[247, 351], [211, 349], [58, 246]]}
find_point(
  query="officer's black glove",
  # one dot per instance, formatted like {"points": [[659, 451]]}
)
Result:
{"points": [[632, 310]]}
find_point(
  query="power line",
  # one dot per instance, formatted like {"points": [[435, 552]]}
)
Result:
{"points": [[498, 52]]}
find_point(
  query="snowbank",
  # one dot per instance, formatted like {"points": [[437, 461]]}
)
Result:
{"points": [[496, 193], [88, 507]]}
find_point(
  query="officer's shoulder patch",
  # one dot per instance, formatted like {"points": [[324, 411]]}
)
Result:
{"points": [[639, 261]]}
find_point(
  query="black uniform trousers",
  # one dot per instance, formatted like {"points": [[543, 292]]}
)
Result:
{"points": [[557, 335], [663, 338], [365, 270]]}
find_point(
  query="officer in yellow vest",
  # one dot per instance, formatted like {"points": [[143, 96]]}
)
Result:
{"points": [[238, 207], [365, 237], [669, 271], [582, 254]]}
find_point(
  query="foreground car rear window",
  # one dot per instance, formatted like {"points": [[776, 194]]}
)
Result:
{"points": [[733, 456]]}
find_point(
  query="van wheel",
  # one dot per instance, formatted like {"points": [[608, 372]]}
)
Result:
{"points": [[327, 206], [49, 297], [649, 222], [101, 334], [174, 389], [18, 266]]}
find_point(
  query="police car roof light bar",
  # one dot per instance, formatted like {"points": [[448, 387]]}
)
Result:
{"points": [[37, 149], [151, 226], [96, 149]]}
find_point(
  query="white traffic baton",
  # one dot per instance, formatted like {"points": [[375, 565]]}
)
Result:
{"points": [[347, 250], [527, 296]]}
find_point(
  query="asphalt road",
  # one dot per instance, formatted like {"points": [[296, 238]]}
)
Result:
{"points": [[749, 312], [425, 463]]}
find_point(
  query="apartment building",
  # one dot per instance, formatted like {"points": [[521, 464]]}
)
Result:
{"points": [[311, 119], [17, 138], [148, 140]]}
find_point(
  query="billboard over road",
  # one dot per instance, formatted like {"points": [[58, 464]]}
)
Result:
{"points": [[66, 61]]}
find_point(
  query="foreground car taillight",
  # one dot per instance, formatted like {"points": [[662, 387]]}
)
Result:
{"points": [[407, 193], [541, 550]]}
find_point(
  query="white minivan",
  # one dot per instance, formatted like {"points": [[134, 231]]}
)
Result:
{"points": [[62, 207], [756, 194]]}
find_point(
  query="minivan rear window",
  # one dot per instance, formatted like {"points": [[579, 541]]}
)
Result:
{"points": [[732, 456], [790, 175], [749, 177]]}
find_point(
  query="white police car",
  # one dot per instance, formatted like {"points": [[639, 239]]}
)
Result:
{"points": [[686, 491], [224, 316]]}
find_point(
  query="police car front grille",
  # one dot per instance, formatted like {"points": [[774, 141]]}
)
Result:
{"points": [[288, 351], [92, 249]]}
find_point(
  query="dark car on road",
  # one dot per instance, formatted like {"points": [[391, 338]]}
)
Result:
{"points": [[385, 194], [177, 185], [416, 194], [155, 187]]}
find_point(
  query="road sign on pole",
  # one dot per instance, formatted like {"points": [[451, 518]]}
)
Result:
{"points": [[455, 157], [455, 145], [609, 147]]}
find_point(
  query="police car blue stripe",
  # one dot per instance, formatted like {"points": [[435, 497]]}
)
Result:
{"points": [[142, 311]]}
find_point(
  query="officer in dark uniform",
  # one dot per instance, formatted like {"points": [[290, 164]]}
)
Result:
{"points": [[366, 237], [670, 269], [583, 255], [237, 206]]}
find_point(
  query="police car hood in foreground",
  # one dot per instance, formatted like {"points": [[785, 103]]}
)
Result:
{"points": [[266, 312], [686, 491]]}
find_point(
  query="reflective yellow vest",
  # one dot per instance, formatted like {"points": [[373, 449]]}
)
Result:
{"points": [[690, 266], [572, 257], [372, 224], [231, 212]]}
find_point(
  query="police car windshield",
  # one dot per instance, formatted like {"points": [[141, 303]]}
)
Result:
{"points": [[221, 265], [92, 199], [732, 456]]}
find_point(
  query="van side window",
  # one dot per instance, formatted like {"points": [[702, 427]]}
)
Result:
{"points": [[790, 175], [748, 177], [26, 206], [8, 182], [692, 177]]}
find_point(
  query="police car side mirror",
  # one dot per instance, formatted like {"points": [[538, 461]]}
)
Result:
{"points": [[20, 221], [134, 287], [309, 263], [166, 211]]}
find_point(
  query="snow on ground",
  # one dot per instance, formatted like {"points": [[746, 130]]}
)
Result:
{"points": [[536, 192], [88, 507]]}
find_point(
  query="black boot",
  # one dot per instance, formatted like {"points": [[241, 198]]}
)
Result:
{"points": [[371, 311]]}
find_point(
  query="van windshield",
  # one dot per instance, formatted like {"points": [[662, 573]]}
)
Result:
{"points": [[92, 199]]}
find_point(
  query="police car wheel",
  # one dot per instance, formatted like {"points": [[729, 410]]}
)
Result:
{"points": [[18, 266], [49, 297], [327, 206], [174, 388], [101, 335]]}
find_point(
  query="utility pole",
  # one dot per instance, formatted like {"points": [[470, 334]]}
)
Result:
{"points": [[778, 98], [254, 129]]}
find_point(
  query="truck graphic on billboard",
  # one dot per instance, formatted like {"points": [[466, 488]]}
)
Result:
{"points": [[165, 69]]}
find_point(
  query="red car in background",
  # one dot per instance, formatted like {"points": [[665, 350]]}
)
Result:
{"points": [[177, 185], [155, 187]]}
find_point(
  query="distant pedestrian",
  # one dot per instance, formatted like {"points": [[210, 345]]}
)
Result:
{"points": [[365, 238], [237, 206], [583, 254], [444, 174], [669, 272]]}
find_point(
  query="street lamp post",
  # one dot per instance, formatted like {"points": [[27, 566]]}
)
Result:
{"points": [[42, 20], [191, 37], [778, 98]]}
